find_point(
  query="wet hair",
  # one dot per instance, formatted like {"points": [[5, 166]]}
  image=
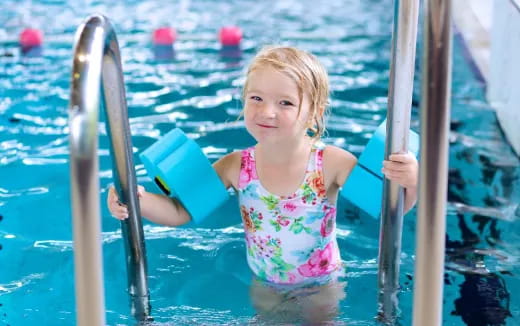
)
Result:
{"points": [[307, 72]]}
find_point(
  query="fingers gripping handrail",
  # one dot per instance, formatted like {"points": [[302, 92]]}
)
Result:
{"points": [[97, 64]]}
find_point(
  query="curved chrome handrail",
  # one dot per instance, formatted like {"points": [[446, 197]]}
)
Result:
{"points": [[97, 63]]}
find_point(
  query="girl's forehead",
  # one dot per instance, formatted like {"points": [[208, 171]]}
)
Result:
{"points": [[271, 78]]}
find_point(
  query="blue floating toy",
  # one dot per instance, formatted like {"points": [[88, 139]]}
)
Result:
{"points": [[364, 186], [180, 169]]}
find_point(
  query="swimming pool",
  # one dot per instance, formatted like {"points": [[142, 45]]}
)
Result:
{"points": [[195, 274]]}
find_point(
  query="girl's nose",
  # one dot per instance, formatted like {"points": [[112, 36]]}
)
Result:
{"points": [[268, 111]]}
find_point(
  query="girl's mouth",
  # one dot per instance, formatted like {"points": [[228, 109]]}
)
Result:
{"points": [[264, 126]]}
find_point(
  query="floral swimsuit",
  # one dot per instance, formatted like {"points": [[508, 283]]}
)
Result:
{"points": [[289, 239]]}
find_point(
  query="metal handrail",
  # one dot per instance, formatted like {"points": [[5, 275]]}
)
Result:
{"points": [[404, 38], [433, 168], [96, 64]]}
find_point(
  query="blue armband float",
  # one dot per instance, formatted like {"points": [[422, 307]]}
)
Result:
{"points": [[364, 186], [180, 169]]}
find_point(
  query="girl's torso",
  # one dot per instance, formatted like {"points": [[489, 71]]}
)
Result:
{"points": [[290, 239]]}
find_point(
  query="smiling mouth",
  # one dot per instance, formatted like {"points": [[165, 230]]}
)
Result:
{"points": [[264, 126]]}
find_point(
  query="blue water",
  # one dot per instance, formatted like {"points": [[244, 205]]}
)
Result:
{"points": [[195, 274]]}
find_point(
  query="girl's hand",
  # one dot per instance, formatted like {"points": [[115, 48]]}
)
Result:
{"points": [[116, 208], [403, 169]]}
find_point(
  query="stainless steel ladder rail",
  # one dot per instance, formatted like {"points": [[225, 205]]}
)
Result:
{"points": [[402, 67], [97, 74], [433, 168]]}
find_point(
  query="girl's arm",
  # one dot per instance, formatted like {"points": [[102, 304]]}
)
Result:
{"points": [[337, 166], [410, 198], [403, 169], [228, 169], [168, 211], [157, 208]]}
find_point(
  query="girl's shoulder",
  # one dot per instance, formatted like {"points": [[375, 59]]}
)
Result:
{"points": [[337, 163], [228, 168], [336, 154]]}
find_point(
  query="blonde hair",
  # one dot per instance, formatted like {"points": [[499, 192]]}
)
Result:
{"points": [[307, 72]]}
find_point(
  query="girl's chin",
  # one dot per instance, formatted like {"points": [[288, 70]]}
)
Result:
{"points": [[275, 141], [266, 134]]}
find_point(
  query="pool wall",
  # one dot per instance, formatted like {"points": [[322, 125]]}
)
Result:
{"points": [[491, 31], [504, 67]]}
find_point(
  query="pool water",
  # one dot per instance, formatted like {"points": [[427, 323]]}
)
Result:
{"points": [[199, 276]]}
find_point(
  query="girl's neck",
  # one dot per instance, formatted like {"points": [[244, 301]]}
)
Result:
{"points": [[283, 153]]}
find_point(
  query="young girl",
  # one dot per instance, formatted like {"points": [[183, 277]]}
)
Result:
{"points": [[287, 186]]}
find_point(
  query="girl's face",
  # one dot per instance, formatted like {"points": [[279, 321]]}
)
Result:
{"points": [[272, 111]]}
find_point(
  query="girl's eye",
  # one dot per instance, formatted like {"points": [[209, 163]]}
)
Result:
{"points": [[255, 98], [286, 103]]}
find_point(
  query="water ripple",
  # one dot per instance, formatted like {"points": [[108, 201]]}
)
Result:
{"points": [[509, 213], [5, 193], [17, 284]]}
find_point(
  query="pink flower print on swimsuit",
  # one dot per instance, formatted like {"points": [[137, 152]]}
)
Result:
{"points": [[328, 223], [247, 171], [321, 262], [269, 263], [290, 239], [291, 208]]}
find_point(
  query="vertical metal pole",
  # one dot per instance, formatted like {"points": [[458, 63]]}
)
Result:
{"points": [[433, 175], [406, 15], [84, 168]]}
